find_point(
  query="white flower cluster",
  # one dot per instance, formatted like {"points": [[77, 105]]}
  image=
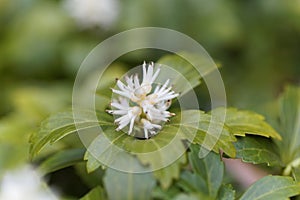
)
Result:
{"points": [[24, 184], [90, 13], [138, 105]]}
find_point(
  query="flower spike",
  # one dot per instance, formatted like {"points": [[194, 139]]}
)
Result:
{"points": [[137, 106]]}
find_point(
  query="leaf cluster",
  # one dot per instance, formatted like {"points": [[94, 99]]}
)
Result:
{"points": [[196, 138]]}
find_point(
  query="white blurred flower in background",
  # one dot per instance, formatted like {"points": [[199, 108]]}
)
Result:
{"points": [[24, 184], [93, 13]]}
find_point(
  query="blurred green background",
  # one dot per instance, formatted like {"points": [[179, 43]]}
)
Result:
{"points": [[43, 42]]}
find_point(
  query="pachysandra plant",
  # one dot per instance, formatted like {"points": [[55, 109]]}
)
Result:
{"points": [[138, 107], [140, 119]]}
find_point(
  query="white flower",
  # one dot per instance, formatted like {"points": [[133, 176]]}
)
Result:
{"points": [[90, 13], [24, 184], [138, 106]]}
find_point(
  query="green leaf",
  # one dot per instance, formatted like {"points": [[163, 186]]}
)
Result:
{"points": [[96, 193], [101, 149], [169, 194], [181, 127], [192, 183], [61, 160], [226, 192], [92, 162], [289, 123], [246, 122], [257, 150], [148, 151], [200, 128], [207, 175], [184, 68], [108, 149], [128, 186], [296, 174], [210, 168], [57, 125], [167, 174], [272, 187], [120, 185], [62, 124]]}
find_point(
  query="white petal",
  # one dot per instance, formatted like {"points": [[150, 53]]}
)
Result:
{"points": [[119, 106], [123, 124], [155, 75], [136, 81], [118, 112], [122, 118], [121, 85], [144, 70], [129, 81], [149, 73], [125, 94], [131, 126], [146, 133]]}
